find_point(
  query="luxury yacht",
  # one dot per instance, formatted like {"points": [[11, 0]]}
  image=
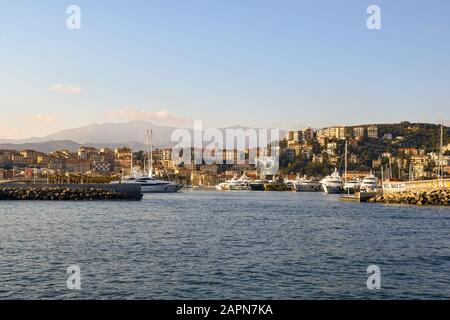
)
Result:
{"points": [[149, 184], [257, 185], [235, 184], [352, 186], [369, 183], [304, 184], [243, 183], [333, 183]]}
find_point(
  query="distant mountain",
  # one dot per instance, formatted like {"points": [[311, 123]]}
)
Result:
{"points": [[110, 135], [72, 146]]}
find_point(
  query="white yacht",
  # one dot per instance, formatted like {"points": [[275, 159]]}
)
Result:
{"points": [[149, 184], [305, 184], [243, 183], [332, 183], [225, 186], [352, 186], [369, 183], [235, 184]]}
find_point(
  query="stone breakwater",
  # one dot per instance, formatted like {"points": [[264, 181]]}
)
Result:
{"points": [[440, 197], [61, 194]]}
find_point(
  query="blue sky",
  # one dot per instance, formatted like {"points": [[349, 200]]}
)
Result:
{"points": [[286, 64]]}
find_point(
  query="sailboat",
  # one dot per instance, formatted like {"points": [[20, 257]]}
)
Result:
{"points": [[149, 184], [350, 186]]}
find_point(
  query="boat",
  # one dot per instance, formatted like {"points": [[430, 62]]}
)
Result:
{"points": [[276, 185], [333, 183], [235, 184], [352, 186], [148, 183], [257, 185], [307, 185], [369, 183], [243, 183]]}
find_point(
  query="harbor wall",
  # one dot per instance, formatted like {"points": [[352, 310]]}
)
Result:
{"points": [[402, 186], [129, 191]]}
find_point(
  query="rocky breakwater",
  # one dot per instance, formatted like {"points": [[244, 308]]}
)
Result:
{"points": [[438, 197], [61, 194]]}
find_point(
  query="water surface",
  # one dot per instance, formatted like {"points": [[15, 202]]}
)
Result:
{"points": [[219, 245]]}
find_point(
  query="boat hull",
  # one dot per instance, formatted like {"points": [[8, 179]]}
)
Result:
{"points": [[276, 187], [306, 188], [257, 186], [332, 189], [169, 188]]}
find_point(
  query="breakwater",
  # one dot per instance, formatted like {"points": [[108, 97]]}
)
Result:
{"points": [[70, 192], [438, 197]]}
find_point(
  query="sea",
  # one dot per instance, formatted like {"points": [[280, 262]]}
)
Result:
{"points": [[223, 245]]}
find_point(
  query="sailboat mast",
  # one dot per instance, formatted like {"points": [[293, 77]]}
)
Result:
{"points": [[131, 161], [345, 174], [441, 171], [150, 154]]}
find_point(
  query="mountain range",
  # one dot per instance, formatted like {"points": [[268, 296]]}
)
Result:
{"points": [[110, 135]]}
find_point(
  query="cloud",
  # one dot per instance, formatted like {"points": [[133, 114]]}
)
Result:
{"points": [[43, 118], [66, 89], [161, 117]]}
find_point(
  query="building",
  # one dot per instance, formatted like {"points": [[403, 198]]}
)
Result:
{"points": [[78, 166], [295, 136], [372, 132], [335, 133], [85, 153], [18, 160], [409, 151], [297, 148], [30, 154], [358, 132], [101, 167], [317, 158], [308, 135]]}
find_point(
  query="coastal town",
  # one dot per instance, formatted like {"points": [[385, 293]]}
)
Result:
{"points": [[402, 152]]}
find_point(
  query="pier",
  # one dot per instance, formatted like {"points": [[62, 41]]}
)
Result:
{"points": [[70, 192], [358, 197]]}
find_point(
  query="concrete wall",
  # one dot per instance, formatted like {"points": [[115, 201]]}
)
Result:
{"points": [[399, 186]]}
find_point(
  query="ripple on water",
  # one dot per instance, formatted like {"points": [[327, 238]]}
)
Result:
{"points": [[211, 245]]}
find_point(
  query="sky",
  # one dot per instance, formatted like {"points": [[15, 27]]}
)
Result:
{"points": [[279, 63]]}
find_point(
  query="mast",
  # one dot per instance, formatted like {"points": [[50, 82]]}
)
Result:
{"points": [[131, 162], [441, 171], [150, 153], [345, 172], [390, 169]]}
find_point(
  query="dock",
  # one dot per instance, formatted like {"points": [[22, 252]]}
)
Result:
{"points": [[358, 197]]}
